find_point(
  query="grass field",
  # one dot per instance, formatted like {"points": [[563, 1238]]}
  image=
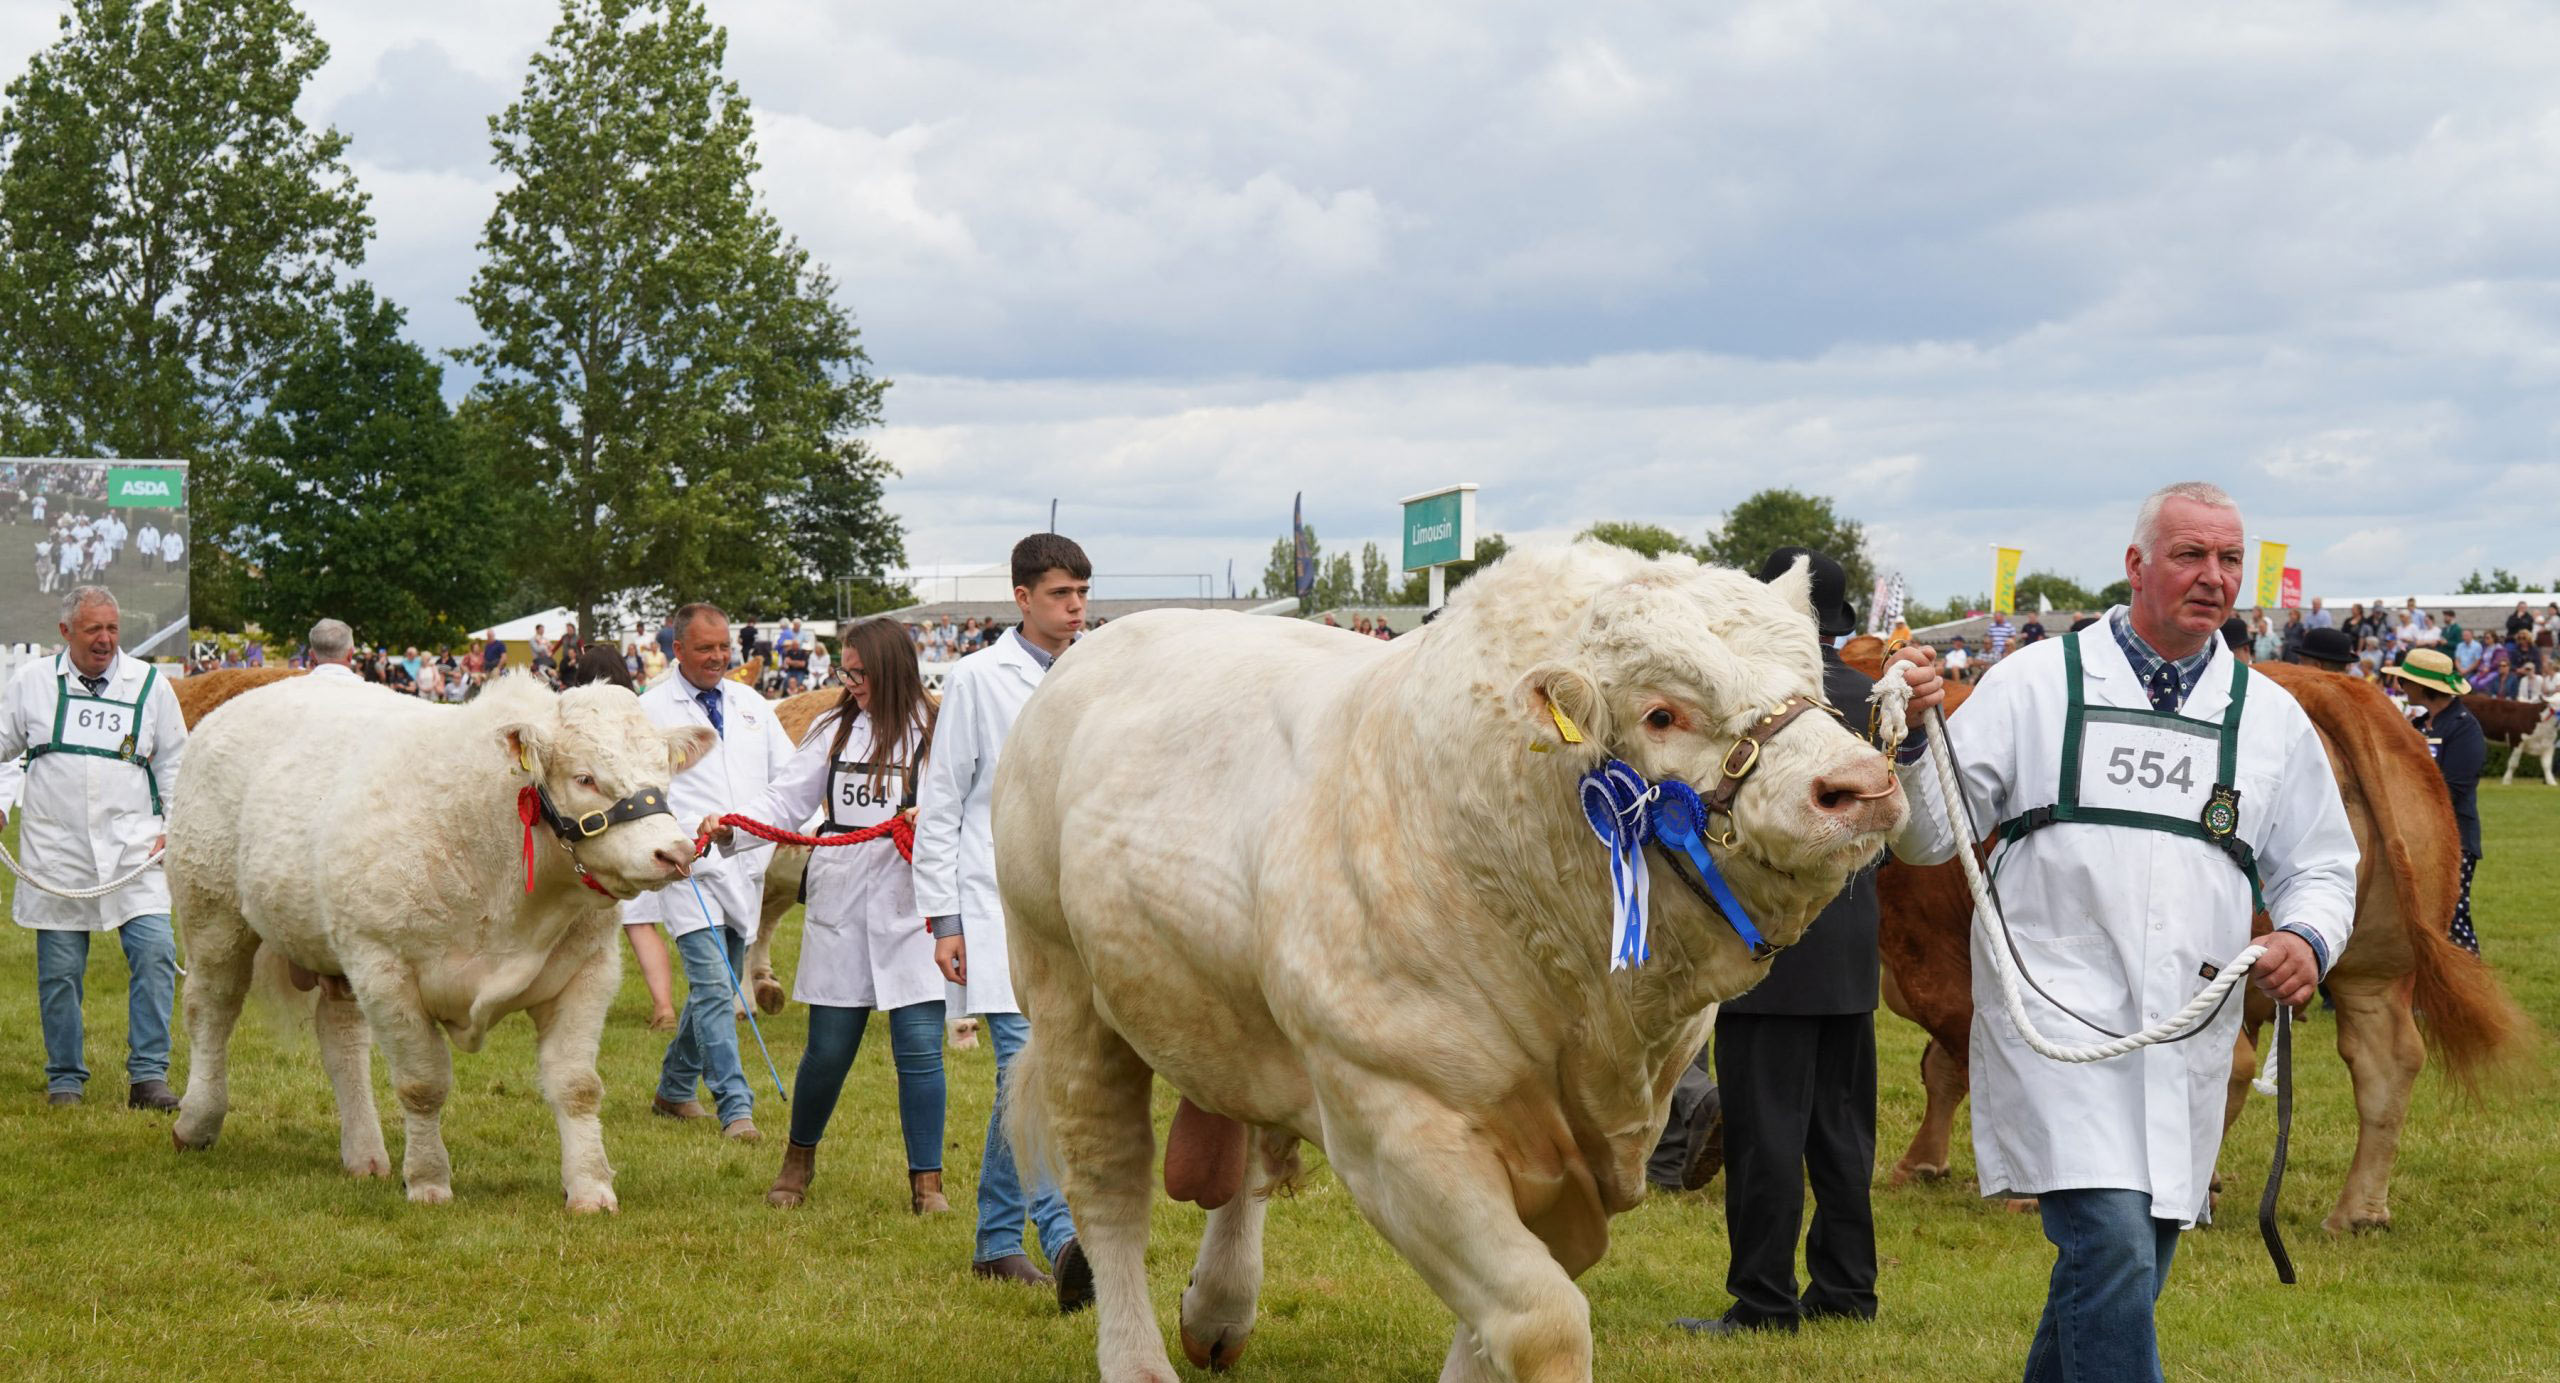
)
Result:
{"points": [[124, 1260]]}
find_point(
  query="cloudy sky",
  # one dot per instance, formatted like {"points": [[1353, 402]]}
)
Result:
{"points": [[1980, 272]]}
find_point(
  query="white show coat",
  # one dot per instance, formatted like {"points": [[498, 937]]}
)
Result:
{"points": [[2119, 923], [335, 672], [865, 945], [87, 818], [955, 867], [751, 751]]}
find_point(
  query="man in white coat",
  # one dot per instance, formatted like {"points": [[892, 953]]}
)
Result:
{"points": [[955, 881], [753, 748], [333, 651], [2147, 790], [90, 742]]}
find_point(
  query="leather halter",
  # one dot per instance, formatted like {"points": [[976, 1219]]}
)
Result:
{"points": [[573, 829], [1744, 757]]}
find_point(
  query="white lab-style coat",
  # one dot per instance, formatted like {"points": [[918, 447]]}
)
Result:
{"points": [[2121, 923], [336, 672], [753, 749], [865, 945], [955, 867], [87, 819]]}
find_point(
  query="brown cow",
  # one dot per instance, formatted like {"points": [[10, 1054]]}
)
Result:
{"points": [[2505, 721], [198, 695], [2410, 868]]}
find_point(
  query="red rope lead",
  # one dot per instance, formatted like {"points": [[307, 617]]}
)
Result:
{"points": [[899, 830]]}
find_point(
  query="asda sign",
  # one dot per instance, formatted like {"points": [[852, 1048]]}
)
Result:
{"points": [[137, 487]]}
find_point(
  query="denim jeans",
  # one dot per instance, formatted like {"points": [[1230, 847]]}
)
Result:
{"points": [[2110, 1261], [915, 1043], [705, 1048], [62, 962], [1001, 1206]]}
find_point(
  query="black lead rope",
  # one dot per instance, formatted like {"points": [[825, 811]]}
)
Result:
{"points": [[2284, 1135]]}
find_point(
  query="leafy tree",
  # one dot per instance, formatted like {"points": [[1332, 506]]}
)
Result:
{"points": [[1920, 616], [1651, 539], [170, 231], [841, 531], [1772, 519], [1489, 549], [358, 498], [1336, 583], [2500, 581], [2112, 594], [1377, 579], [2065, 593], [667, 382]]}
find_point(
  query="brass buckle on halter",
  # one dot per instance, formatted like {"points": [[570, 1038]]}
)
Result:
{"points": [[1750, 759], [590, 832]]}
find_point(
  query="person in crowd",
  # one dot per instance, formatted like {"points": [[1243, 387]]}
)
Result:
{"points": [[795, 662], [1995, 640], [2460, 748], [2327, 650], [2467, 653], [2265, 644], [333, 651], [2120, 1153], [955, 884], [1959, 663], [862, 949], [2369, 658], [2319, 618], [546, 664], [2520, 618], [2523, 659], [749, 643], [752, 748], [597, 663], [2032, 631], [91, 743], [822, 667], [1795, 1067], [493, 657]]}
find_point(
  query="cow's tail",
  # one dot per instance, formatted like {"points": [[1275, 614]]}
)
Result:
{"points": [[1025, 1090], [2470, 1021]]}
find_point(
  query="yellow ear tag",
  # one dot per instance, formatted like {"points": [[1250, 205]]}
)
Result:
{"points": [[1564, 724], [524, 756]]}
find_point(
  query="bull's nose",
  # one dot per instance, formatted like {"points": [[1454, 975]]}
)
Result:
{"points": [[676, 863], [1859, 795]]}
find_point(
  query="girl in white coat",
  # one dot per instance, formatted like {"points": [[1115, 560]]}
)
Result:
{"points": [[863, 947]]}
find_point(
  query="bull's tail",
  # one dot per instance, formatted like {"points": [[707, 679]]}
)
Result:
{"points": [[1025, 1093], [2470, 1022]]}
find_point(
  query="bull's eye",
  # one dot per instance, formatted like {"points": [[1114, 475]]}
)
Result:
{"points": [[586, 780], [1659, 718]]}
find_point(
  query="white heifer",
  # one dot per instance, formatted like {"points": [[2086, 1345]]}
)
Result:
{"points": [[1327, 888], [374, 837]]}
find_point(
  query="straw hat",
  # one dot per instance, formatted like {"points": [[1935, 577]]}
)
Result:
{"points": [[2429, 668]]}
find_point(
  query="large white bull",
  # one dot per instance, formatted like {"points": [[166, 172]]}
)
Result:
{"points": [[376, 842], [1344, 891]]}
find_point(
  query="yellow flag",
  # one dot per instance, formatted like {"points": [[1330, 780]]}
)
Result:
{"points": [[2270, 574], [2004, 580]]}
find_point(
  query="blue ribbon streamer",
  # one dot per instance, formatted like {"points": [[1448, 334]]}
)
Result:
{"points": [[1627, 814]]}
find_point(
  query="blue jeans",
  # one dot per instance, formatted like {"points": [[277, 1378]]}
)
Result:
{"points": [[705, 1048], [1001, 1207], [62, 962], [2110, 1261], [915, 1043]]}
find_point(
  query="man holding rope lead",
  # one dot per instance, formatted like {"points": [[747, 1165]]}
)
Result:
{"points": [[90, 742], [2147, 793]]}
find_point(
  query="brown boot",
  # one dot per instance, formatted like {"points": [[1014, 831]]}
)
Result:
{"points": [[791, 1184], [924, 1193]]}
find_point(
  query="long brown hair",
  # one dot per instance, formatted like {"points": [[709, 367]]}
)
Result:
{"points": [[889, 669]]}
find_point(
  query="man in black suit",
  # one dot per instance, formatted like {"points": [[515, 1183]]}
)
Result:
{"points": [[1795, 1062]]}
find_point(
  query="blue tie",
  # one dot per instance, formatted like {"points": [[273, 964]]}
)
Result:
{"points": [[2164, 688], [711, 707]]}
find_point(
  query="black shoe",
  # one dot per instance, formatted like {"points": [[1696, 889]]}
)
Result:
{"points": [[1075, 1278], [1826, 1313], [1706, 1142], [62, 1097], [1013, 1267], [1730, 1324], [151, 1094]]}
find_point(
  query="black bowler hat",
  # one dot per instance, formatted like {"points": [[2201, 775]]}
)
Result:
{"points": [[2235, 633], [2327, 646], [1832, 613]]}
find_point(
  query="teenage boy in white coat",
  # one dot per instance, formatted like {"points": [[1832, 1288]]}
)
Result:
{"points": [[2125, 884], [753, 748], [90, 742], [955, 881]]}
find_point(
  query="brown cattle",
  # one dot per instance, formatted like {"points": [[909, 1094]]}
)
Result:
{"points": [[2505, 721], [2410, 868], [198, 695]]}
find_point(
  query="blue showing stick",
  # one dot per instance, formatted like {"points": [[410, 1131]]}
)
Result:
{"points": [[722, 946]]}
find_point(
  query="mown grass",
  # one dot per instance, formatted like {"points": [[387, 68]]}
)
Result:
{"points": [[123, 1259]]}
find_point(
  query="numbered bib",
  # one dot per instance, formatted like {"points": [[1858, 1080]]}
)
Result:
{"points": [[2136, 762], [105, 726], [853, 802]]}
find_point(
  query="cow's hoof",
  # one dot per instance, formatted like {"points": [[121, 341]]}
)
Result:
{"points": [[595, 1203], [430, 1195], [187, 1136], [366, 1168], [769, 995], [1219, 1353], [2358, 1224], [182, 1143]]}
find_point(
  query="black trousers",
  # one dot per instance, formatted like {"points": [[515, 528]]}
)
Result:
{"points": [[1799, 1106]]}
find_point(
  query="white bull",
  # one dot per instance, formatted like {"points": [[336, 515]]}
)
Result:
{"points": [[1330, 890], [374, 841]]}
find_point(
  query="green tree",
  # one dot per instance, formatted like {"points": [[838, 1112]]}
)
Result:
{"points": [[170, 231], [2065, 593], [667, 382], [1772, 519], [843, 535], [2114, 593], [2499, 581], [1337, 584], [358, 499], [1651, 539], [1377, 579]]}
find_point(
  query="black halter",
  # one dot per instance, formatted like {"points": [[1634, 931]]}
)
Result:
{"points": [[573, 829]]}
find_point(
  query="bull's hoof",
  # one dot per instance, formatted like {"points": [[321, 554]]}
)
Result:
{"points": [[1217, 1355], [1924, 1173], [366, 1168], [2358, 1224], [598, 1202], [425, 1193], [180, 1141], [769, 995]]}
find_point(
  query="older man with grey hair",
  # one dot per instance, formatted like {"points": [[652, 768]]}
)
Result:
{"points": [[90, 742], [333, 651]]}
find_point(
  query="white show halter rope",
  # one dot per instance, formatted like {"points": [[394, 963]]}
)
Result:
{"points": [[1892, 697], [100, 891]]}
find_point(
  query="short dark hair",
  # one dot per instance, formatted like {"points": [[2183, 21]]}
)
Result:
{"points": [[1047, 552]]}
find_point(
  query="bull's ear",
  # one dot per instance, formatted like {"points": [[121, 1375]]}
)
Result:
{"points": [[1563, 711], [526, 747], [1796, 587], [687, 745]]}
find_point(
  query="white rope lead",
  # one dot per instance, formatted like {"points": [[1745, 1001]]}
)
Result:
{"points": [[100, 891], [1892, 697]]}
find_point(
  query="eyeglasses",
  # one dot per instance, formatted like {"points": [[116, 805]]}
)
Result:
{"points": [[855, 674]]}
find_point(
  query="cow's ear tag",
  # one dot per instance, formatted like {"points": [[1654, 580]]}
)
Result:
{"points": [[1564, 724], [524, 757]]}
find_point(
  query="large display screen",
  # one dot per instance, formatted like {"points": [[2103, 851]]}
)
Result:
{"points": [[117, 524]]}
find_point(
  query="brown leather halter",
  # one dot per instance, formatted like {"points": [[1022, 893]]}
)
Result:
{"points": [[1744, 757]]}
